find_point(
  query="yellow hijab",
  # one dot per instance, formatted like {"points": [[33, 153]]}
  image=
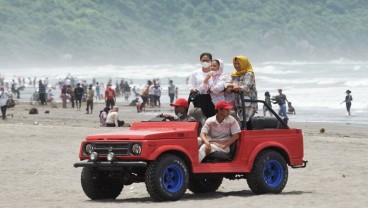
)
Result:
{"points": [[245, 66]]}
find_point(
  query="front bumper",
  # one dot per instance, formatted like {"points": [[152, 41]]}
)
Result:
{"points": [[111, 164]]}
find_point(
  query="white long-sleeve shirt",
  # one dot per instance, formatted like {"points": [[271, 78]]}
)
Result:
{"points": [[112, 118], [3, 98], [196, 79]]}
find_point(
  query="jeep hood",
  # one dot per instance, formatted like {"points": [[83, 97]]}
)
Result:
{"points": [[140, 135], [151, 131]]}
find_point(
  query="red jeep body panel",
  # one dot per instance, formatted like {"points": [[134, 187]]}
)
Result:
{"points": [[181, 137]]}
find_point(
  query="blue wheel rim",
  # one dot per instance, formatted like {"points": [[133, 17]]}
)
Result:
{"points": [[273, 173], [172, 178]]}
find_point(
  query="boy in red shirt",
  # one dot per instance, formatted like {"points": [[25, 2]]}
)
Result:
{"points": [[110, 96]]}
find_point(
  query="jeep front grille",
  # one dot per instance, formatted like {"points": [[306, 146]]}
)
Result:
{"points": [[120, 149]]}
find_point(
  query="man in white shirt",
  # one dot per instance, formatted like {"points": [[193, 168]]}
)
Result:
{"points": [[112, 119], [219, 131]]}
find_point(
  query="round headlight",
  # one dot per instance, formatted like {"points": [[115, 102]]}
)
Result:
{"points": [[110, 156], [94, 156], [136, 149], [89, 148]]}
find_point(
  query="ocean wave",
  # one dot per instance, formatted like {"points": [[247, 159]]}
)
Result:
{"points": [[299, 81], [270, 69]]}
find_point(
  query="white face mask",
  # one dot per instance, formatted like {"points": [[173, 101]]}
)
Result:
{"points": [[205, 64]]}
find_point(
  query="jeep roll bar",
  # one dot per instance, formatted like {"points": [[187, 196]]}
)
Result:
{"points": [[243, 100]]}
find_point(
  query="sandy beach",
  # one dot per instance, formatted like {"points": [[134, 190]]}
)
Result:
{"points": [[37, 153]]}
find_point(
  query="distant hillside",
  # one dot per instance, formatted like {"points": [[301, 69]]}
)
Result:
{"points": [[44, 32]]}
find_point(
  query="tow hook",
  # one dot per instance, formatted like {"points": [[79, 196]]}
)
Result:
{"points": [[301, 166]]}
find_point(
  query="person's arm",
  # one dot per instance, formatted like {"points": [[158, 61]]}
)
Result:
{"points": [[219, 86], [204, 87], [232, 139], [166, 116], [234, 131], [246, 85], [192, 82], [229, 85], [116, 119], [203, 137]]}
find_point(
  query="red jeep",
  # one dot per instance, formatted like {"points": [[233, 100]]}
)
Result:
{"points": [[164, 155]]}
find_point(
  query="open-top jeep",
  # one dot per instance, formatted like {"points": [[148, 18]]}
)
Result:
{"points": [[164, 155]]}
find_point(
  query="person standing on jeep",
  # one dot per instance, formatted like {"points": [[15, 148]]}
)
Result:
{"points": [[243, 82], [196, 78], [219, 131]]}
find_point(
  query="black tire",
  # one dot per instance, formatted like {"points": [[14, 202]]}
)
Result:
{"points": [[269, 173], [167, 178], [204, 185], [97, 185]]}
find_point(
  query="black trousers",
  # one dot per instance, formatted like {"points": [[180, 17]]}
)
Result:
{"points": [[3, 111], [43, 98], [204, 102]]}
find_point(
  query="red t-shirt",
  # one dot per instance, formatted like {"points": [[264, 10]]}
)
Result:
{"points": [[109, 94]]}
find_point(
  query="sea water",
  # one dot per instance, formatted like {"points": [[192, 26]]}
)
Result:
{"points": [[315, 89]]}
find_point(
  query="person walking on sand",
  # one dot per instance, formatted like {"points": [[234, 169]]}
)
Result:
{"points": [[90, 95], [78, 93], [171, 90], [3, 102], [42, 92], [63, 96], [269, 103], [281, 101], [348, 99], [110, 96]]}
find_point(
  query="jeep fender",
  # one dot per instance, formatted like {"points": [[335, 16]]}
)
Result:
{"points": [[169, 148], [268, 145]]}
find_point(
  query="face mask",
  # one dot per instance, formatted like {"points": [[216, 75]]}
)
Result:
{"points": [[205, 64], [180, 114]]}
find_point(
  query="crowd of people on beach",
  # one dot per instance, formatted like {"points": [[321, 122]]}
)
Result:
{"points": [[210, 82], [225, 103]]}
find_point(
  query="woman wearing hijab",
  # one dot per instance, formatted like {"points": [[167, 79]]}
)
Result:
{"points": [[243, 80], [214, 83]]}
